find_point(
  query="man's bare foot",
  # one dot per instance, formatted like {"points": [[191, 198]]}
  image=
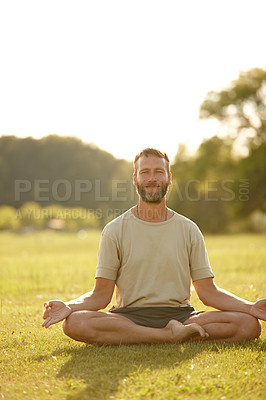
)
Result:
{"points": [[181, 332]]}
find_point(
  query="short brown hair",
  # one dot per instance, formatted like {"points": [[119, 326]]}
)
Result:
{"points": [[149, 151]]}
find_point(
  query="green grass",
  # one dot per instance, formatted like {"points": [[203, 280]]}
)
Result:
{"points": [[36, 363]]}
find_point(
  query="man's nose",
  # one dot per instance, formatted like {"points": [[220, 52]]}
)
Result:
{"points": [[152, 177]]}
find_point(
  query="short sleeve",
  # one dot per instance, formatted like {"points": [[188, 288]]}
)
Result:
{"points": [[199, 262], [108, 258]]}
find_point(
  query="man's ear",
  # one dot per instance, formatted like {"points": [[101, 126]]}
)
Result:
{"points": [[170, 178], [134, 179]]}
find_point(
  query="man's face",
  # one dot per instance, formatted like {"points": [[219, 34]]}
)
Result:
{"points": [[151, 178]]}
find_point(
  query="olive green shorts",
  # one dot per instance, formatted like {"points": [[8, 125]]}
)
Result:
{"points": [[156, 317]]}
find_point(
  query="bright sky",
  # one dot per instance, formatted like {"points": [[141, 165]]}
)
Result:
{"points": [[122, 74]]}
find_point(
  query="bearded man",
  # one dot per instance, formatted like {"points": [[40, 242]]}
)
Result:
{"points": [[149, 255]]}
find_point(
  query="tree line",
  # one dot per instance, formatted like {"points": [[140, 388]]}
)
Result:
{"points": [[219, 187]]}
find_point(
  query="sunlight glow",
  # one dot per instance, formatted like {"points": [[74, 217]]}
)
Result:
{"points": [[122, 75]]}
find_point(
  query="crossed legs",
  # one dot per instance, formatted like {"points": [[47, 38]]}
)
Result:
{"points": [[106, 328]]}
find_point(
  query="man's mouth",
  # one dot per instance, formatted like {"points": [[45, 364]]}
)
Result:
{"points": [[152, 185]]}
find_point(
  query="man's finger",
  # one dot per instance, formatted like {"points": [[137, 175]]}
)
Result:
{"points": [[44, 324], [47, 323]]}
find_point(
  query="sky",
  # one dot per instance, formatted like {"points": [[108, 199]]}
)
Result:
{"points": [[121, 74]]}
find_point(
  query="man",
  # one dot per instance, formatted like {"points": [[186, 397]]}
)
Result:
{"points": [[150, 254]]}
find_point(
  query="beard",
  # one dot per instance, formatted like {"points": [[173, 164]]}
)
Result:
{"points": [[152, 197]]}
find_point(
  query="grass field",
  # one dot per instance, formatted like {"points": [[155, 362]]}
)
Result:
{"points": [[36, 363]]}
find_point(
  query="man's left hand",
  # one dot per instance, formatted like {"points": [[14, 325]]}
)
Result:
{"points": [[258, 309]]}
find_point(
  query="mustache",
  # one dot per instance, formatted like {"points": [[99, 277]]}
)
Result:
{"points": [[152, 185]]}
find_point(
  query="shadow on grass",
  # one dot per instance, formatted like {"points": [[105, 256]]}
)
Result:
{"points": [[97, 372]]}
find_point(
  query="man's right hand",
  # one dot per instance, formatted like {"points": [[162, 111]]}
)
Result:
{"points": [[56, 311]]}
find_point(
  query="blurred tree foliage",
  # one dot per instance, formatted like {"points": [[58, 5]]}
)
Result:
{"points": [[219, 185], [63, 170], [203, 186], [241, 107]]}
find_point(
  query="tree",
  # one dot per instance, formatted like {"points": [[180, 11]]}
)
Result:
{"points": [[203, 184], [252, 170], [63, 171], [241, 107]]}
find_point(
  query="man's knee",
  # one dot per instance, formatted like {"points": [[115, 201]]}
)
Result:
{"points": [[78, 325], [69, 324], [249, 326]]}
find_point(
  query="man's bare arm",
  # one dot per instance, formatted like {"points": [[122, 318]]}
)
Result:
{"points": [[211, 295], [98, 298], [95, 300]]}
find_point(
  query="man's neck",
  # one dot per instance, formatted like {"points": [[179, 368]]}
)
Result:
{"points": [[152, 212]]}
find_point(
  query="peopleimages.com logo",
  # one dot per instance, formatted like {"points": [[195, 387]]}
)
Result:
{"points": [[62, 190]]}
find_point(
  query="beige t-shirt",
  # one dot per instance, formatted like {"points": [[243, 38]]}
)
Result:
{"points": [[152, 263]]}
